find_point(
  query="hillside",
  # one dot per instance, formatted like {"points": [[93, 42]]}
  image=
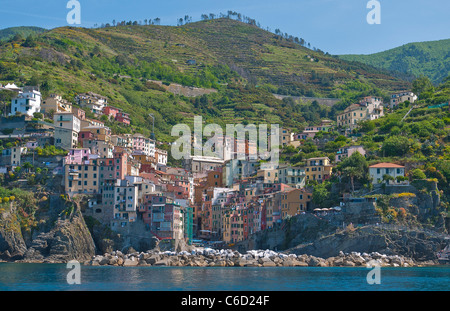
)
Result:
{"points": [[24, 31], [246, 64], [431, 58]]}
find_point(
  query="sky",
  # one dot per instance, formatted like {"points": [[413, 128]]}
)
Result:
{"points": [[334, 26]]}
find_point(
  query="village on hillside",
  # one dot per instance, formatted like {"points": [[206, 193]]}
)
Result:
{"points": [[128, 185]]}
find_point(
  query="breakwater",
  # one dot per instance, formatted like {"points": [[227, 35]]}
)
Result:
{"points": [[207, 257]]}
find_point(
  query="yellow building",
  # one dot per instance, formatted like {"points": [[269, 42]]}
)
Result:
{"points": [[81, 179], [268, 176], [294, 202], [55, 103], [318, 169]]}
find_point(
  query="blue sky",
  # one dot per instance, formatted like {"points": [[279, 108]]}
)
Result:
{"points": [[334, 26]]}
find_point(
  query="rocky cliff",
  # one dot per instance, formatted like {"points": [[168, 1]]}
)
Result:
{"points": [[12, 244], [61, 235], [416, 244]]}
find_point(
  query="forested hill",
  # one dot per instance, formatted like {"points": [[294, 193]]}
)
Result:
{"points": [[24, 31], [431, 59], [243, 62]]}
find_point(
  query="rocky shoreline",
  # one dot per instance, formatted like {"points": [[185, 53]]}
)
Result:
{"points": [[255, 258]]}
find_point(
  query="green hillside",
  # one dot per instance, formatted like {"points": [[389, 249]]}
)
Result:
{"points": [[431, 58], [24, 31], [244, 63]]}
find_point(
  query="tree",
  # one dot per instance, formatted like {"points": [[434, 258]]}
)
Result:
{"points": [[354, 168], [320, 194], [38, 115], [396, 146], [30, 42], [27, 166], [422, 86]]}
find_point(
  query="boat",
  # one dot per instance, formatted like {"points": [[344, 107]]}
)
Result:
{"points": [[444, 255]]}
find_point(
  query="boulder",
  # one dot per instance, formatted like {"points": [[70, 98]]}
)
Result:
{"points": [[348, 263], [262, 260], [153, 259], [162, 262], [130, 263], [269, 264], [113, 261], [339, 261], [298, 263], [313, 261]]}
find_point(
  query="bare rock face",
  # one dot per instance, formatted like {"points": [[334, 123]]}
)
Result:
{"points": [[67, 240], [64, 237], [12, 244]]}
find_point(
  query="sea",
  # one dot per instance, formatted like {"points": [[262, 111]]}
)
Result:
{"points": [[62, 277]]}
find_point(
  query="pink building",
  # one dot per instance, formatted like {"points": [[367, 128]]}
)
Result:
{"points": [[123, 118], [79, 113], [78, 156], [111, 111], [85, 135], [346, 152], [32, 144], [311, 131], [162, 216]]}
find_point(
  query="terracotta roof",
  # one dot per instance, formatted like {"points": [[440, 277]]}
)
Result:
{"points": [[386, 165]]}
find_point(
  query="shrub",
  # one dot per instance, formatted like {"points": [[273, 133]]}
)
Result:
{"points": [[417, 174]]}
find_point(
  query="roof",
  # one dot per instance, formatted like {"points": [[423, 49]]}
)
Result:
{"points": [[319, 158], [386, 165]]}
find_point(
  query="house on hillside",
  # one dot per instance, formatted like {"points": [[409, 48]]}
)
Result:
{"points": [[27, 102], [377, 171], [401, 97], [368, 108], [346, 152]]}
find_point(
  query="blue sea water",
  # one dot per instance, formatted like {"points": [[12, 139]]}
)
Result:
{"points": [[53, 277]]}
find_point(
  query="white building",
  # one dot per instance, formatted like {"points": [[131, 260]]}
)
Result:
{"points": [[377, 171], [161, 156], [27, 102], [65, 138], [401, 97], [67, 120]]}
